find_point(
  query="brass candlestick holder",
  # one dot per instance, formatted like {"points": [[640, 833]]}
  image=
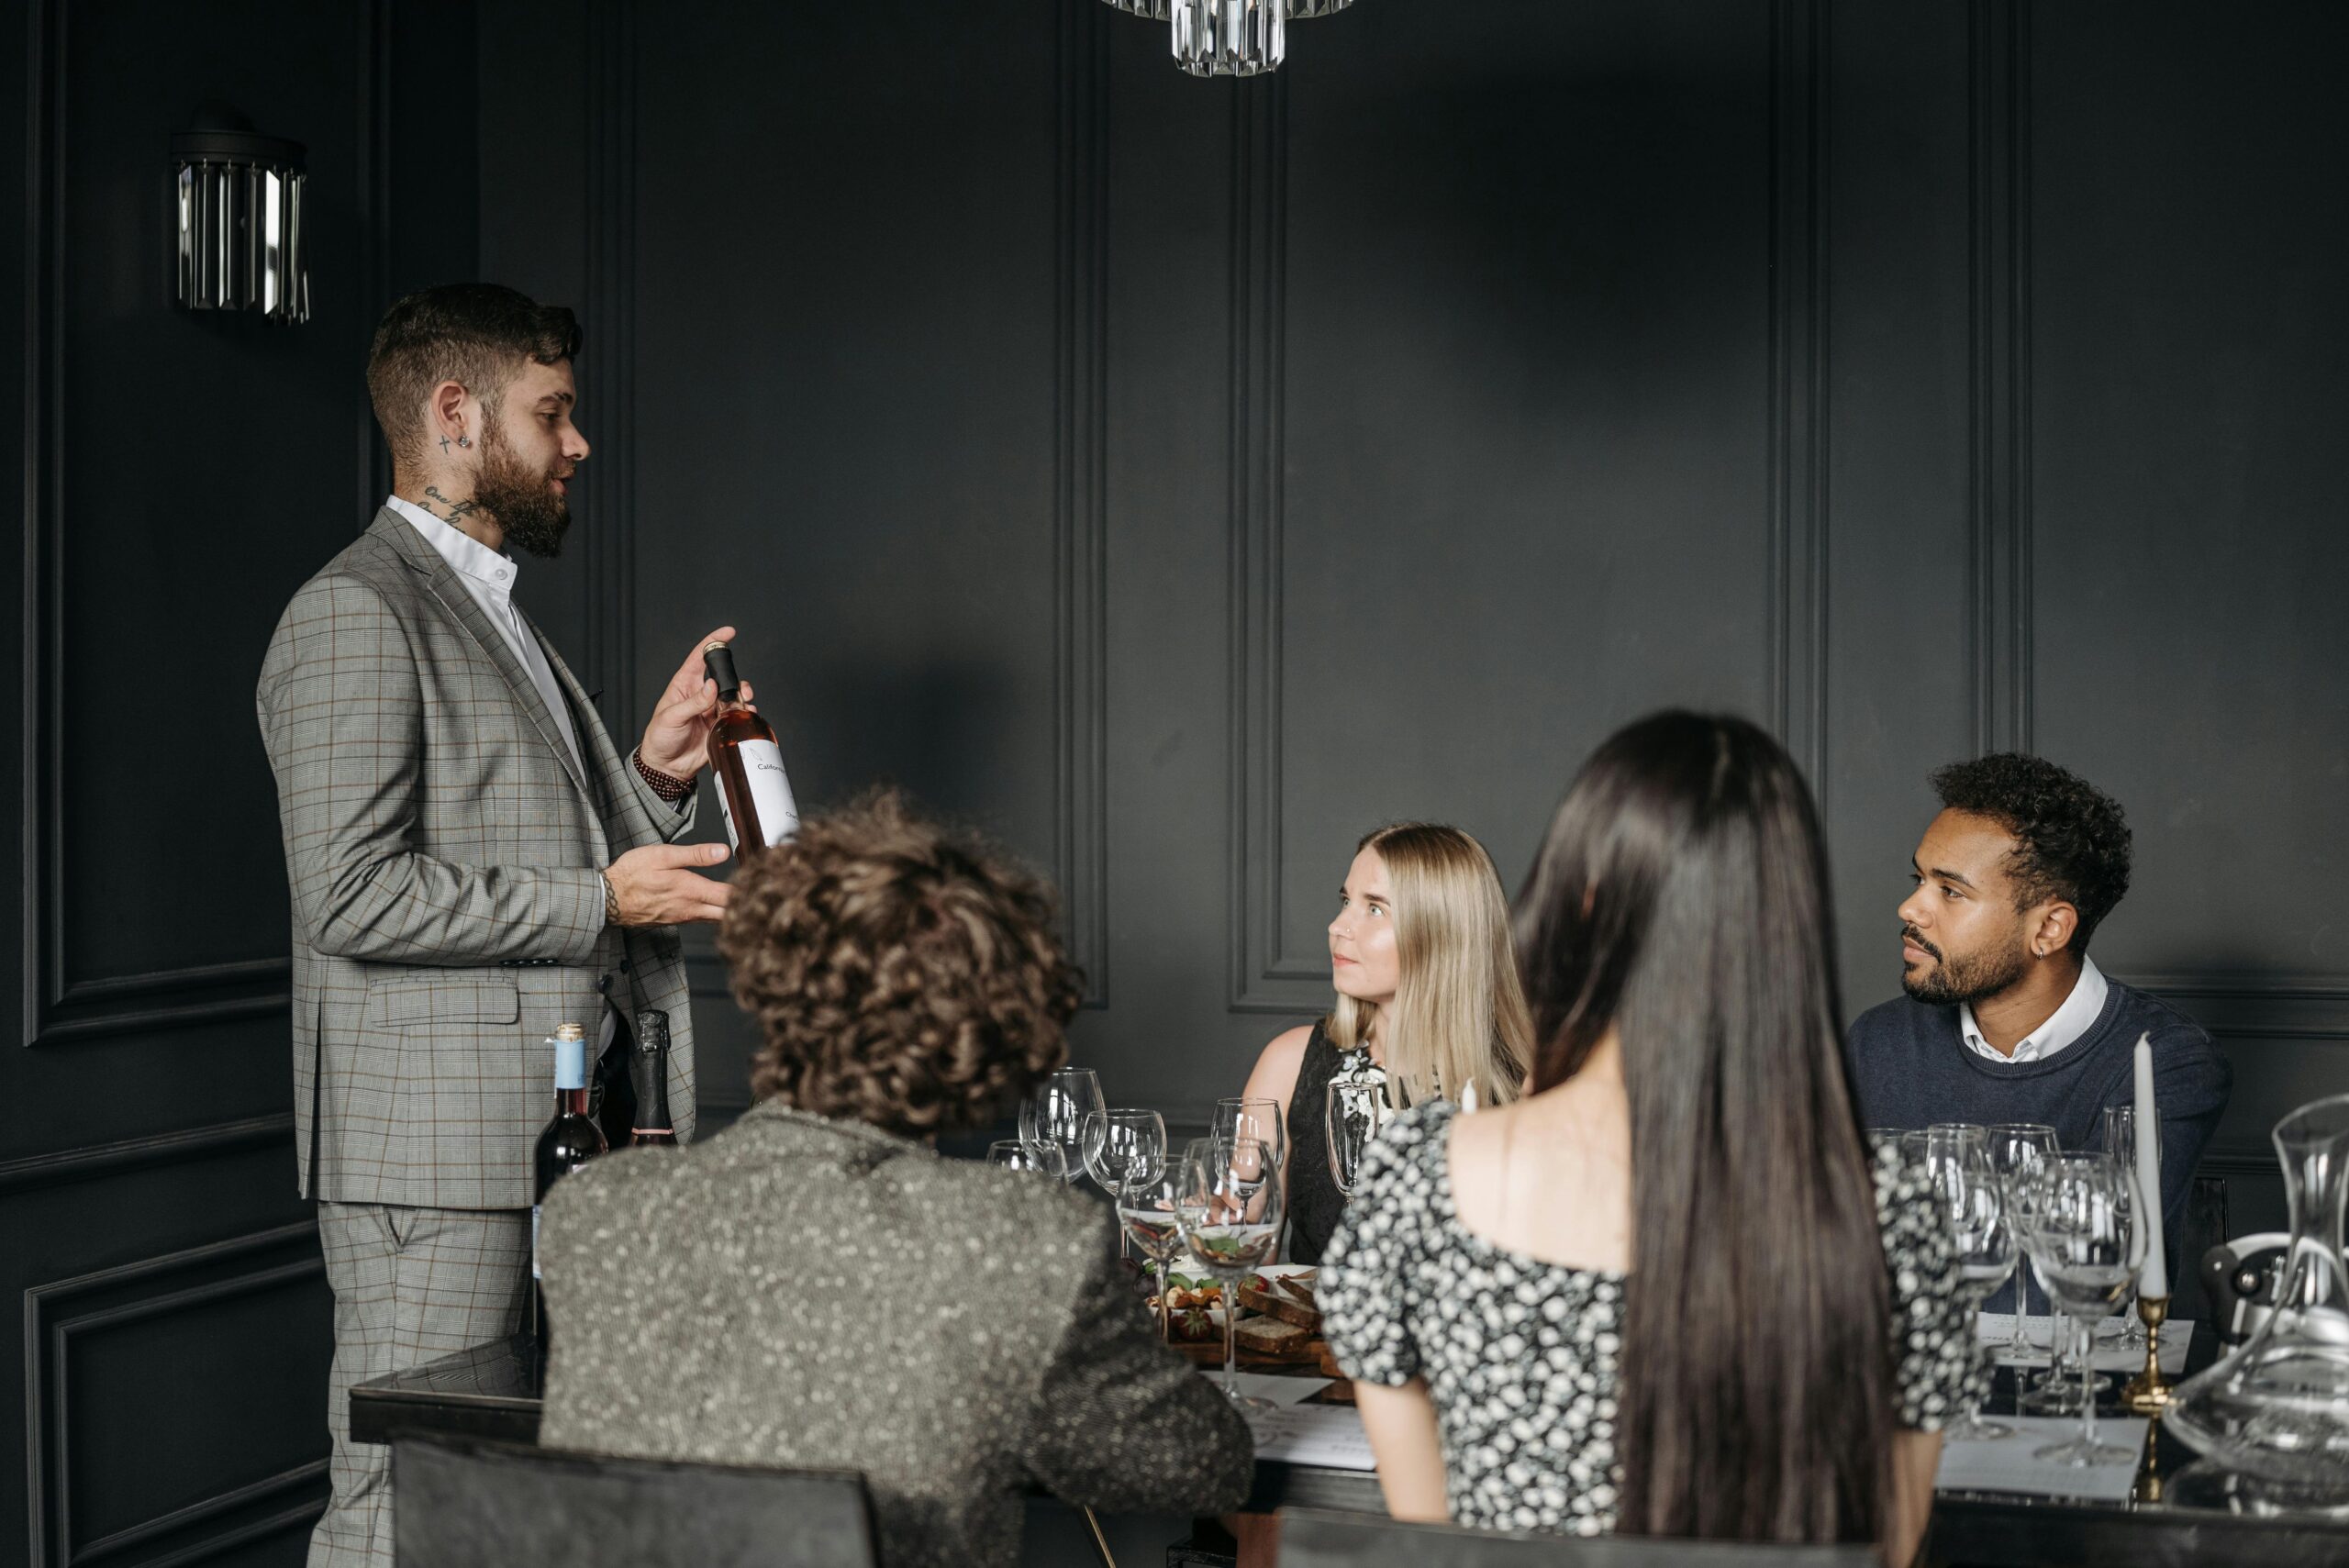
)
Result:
{"points": [[2147, 1394]]}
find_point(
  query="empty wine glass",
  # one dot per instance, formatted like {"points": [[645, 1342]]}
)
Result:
{"points": [[2086, 1250], [1027, 1155], [2016, 1149], [1055, 1114], [1354, 1111], [2120, 1147], [1148, 1215], [1985, 1240], [1229, 1216], [1123, 1145], [1237, 1117]]}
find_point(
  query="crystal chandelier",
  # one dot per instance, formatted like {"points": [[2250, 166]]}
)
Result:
{"points": [[1229, 38]]}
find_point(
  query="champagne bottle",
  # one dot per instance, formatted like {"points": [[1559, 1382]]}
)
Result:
{"points": [[570, 1140], [752, 789], [648, 1069]]}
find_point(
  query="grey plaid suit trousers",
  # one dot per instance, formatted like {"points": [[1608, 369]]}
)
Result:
{"points": [[443, 850]]}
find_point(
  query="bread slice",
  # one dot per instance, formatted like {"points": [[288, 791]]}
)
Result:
{"points": [[1271, 1337], [1287, 1311], [1300, 1286]]}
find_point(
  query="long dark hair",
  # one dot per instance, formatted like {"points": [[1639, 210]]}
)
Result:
{"points": [[1681, 899]]}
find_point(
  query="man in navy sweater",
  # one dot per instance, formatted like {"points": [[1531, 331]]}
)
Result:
{"points": [[2007, 1018]]}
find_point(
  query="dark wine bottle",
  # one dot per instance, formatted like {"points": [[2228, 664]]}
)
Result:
{"points": [[570, 1140], [649, 1069], [752, 789]]}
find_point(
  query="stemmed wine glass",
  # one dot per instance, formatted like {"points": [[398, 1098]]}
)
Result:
{"points": [[1261, 1119], [1121, 1146], [1055, 1114], [2121, 1148], [1959, 1166], [1149, 1214], [2086, 1247], [1354, 1112], [2016, 1150], [1027, 1155], [1229, 1216]]}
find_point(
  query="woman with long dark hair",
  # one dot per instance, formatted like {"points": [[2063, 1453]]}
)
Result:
{"points": [[1672, 1292]]}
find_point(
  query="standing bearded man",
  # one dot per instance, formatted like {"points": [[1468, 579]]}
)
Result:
{"points": [[472, 860]]}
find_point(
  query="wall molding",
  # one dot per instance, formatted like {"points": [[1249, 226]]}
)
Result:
{"points": [[121, 1294], [1262, 978], [1998, 270], [608, 585], [1080, 502], [90, 1160], [1799, 424]]}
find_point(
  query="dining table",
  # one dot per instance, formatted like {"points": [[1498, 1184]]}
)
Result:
{"points": [[2178, 1511]]}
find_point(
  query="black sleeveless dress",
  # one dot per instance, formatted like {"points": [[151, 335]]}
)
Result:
{"points": [[1314, 1201]]}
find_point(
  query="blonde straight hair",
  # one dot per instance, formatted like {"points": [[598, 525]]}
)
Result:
{"points": [[1458, 1017]]}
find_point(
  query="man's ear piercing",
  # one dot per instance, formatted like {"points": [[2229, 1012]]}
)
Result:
{"points": [[462, 441]]}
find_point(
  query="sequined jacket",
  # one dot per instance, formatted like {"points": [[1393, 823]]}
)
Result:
{"points": [[804, 1291]]}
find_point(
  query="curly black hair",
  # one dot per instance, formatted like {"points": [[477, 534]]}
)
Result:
{"points": [[2071, 839]]}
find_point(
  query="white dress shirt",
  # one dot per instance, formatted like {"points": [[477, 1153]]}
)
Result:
{"points": [[489, 578], [2065, 1025]]}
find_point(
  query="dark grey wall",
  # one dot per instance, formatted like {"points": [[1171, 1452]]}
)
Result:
{"points": [[1181, 477], [181, 475]]}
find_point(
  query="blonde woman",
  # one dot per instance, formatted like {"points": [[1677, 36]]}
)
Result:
{"points": [[1427, 984]]}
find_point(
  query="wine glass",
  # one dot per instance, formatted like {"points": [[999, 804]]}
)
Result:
{"points": [[1123, 1146], [1148, 1214], [2121, 1148], [1261, 1119], [2086, 1249], [1354, 1112], [1229, 1217], [2016, 1149], [1027, 1155], [1985, 1240], [1055, 1113]]}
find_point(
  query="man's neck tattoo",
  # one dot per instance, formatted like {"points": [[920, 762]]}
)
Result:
{"points": [[455, 509], [444, 443]]}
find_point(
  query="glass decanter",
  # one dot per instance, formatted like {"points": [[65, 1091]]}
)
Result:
{"points": [[2278, 1407]]}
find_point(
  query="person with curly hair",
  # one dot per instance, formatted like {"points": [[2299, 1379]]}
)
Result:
{"points": [[2005, 1017], [817, 1287]]}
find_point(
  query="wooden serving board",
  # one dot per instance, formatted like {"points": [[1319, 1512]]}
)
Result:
{"points": [[1209, 1352]]}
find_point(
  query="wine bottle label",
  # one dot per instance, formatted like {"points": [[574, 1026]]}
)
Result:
{"points": [[534, 1240], [770, 794]]}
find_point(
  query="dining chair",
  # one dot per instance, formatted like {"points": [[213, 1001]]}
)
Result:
{"points": [[486, 1505], [1311, 1538]]}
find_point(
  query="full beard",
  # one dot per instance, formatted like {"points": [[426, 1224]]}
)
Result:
{"points": [[1969, 979], [532, 515]]}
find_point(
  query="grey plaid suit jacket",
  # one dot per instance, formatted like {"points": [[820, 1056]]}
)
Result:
{"points": [[444, 850]]}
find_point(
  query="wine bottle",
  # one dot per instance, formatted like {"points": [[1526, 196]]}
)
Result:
{"points": [[570, 1140], [648, 1069], [752, 789]]}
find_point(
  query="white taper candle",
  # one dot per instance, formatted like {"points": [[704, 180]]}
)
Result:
{"points": [[2155, 1280]]}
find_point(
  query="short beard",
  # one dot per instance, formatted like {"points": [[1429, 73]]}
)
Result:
{"points": [[1971, 979], [533, 516]]}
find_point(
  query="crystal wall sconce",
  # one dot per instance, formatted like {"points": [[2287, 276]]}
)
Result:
{"points": [[1229, 38], [241, 239]]}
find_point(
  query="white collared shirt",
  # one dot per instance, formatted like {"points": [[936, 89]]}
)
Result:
{"points": [[489, 578], [2066, 1024]]}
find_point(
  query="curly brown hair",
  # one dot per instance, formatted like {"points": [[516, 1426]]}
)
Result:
{"points": [[902, 974]]}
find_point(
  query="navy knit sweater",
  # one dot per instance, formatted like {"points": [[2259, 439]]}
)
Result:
{"points": [[1912, 1069]]}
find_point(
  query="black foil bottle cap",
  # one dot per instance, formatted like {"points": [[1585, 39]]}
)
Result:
{"points": [[651, 1030], [719, 659]]}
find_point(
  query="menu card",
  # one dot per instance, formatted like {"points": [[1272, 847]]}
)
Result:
{"points": [[1330, 1435], [1997, 1329], [2005, 1464]]}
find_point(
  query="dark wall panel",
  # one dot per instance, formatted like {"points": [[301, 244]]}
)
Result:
{"points": [[183, 474], [1180, 477]]}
